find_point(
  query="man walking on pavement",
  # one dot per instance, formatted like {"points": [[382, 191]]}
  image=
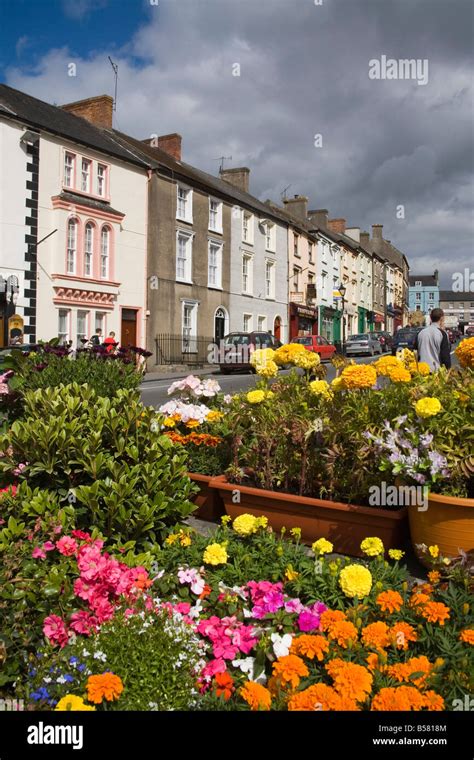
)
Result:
{"points": [[432, 343]]}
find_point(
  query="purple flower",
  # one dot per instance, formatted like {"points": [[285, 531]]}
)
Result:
{"points": [[307, 621]]}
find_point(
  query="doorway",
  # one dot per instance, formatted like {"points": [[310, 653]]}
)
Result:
{"points": [[277, 328], [220, 324], [129, 328]]}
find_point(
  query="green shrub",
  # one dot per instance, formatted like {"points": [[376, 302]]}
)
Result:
{"points": [[107, 456]]}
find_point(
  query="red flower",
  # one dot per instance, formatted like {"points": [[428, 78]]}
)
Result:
{"points": [[224, 685]]}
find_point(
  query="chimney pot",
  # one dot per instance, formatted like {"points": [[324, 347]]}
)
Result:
{"points": [[97, 110], [238, 177], [337, 225]]}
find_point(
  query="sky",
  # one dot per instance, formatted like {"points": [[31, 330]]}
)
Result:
{"points": [[283, 87]]}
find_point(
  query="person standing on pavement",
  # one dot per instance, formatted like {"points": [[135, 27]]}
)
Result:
{"points": [[110, 342], [432, 343]]}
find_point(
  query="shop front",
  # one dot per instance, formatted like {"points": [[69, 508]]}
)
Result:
{"points": [[379, 321], [330, 323], [303, 320]]}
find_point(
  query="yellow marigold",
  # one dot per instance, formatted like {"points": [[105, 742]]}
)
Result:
{"points": [[245, 524], [192, 423], [465, 353], [320, 388], [404, 671], [266, 369], [376, 635], [308, 360], [399, 375], [389, 601], [435, 612], [169, 422], [372, 547], [406, 356], [350, 679], [256, 696], [171, 539], [467, 636], [215, 554], [184, 539], [255, 397], [214, 416], [310, 646], [286, 353], [434, 551], [262, 356], [422, 368], [322, 546], [398, 698], [428, 407], [289, 669], [401, 634], [343, 632], [355, 581], [261, 522], [385, 363], [395, 554], [291, 574], [105, 686], [359, 376], [320, 697], [329, 617], [73, 703], [337, 384], [225, 519]]}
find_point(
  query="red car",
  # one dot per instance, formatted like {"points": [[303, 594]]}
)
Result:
{"points": [[318, 344]]}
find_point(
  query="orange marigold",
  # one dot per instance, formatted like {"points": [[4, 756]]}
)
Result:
{"points": [[256, 696], [467, 636], [224, 685], [329, 617], [310, 646], [354, 681], [389, 601], [376, 635], [435, 612], [398, 698], [343, 632], [433, 701], [374, 662], [403, 671], [419, 597], [401, 634], [434, 576], [106, 685], [320, 697], [289, 669]]}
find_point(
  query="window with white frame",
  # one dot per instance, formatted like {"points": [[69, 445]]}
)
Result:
{"points": [[88, 249], [184, 243], [184, 204], [81, 332], [101, 180], [215, 215], [189, 326], [99, 322], [270, 236], [69, 159], [247, 323], [63, 325], [296, 279], [214, 276], [431, 296], [296, 245], [417, 296], [417, 283], [323, 282], [85, 175], [104, 252], [247, 227], [261, 323], [71, 246], [269, 279], [247, 273], [310, 253]]}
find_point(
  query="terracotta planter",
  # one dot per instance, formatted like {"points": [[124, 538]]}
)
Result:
{"points": [[448, 522], [345, 525], [208, 500]]}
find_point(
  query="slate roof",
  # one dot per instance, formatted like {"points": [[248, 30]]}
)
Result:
{"points": [[449, 295], [427, 280]]}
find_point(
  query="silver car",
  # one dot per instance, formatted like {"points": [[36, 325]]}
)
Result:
{"points": [[363, 343]]}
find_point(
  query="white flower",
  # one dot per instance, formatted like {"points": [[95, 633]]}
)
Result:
{"points": [[247, 613], [47, 679], [281, 644], [100, 656], [61, 679]]}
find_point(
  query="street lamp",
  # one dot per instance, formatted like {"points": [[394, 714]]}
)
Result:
{"points": [[342, 291]]}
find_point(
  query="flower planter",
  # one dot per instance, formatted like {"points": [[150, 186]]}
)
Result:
{"points": [[208, 500], [448, 522], [345, 525]]}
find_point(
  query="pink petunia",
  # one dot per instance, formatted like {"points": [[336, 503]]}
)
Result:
{"points": [[307, 621], [80, 535], [66, 546], [38, 553], [48, 546]]}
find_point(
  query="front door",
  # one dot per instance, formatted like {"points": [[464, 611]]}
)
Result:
{"points": [[277, 328], [129, 328], [219, 325]]}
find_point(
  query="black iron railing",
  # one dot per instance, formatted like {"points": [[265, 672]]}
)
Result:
{"points": [[183, 349]]}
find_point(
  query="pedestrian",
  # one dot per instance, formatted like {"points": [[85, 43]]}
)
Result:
{"points": [[96, 339], [432, 343], [110, 342]]}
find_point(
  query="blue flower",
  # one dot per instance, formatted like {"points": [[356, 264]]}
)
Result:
{"points": [[42, 693], [73, 660], [81, 667], [68, 678], [32, 672]]}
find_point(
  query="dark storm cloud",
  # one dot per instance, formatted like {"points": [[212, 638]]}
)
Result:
{"points": [[304, 71]]}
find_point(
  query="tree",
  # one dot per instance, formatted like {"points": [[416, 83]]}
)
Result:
{"points": [[416, 318]]}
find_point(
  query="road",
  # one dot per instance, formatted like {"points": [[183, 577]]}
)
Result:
{"points": [[154, 393]]}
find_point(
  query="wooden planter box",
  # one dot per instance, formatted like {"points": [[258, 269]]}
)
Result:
{"points": [[345, 525], [208, 500]]}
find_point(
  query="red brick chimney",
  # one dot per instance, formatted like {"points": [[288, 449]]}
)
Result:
{"points": [[239, 177], [97, 110], [337, 225], [171, 144], [297, 206]]}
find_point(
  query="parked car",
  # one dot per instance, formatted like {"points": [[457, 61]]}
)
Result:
{"points": [[318, 344], [405, 337], [385, 339], [363, 343], [238, 347], [469, 331]]}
